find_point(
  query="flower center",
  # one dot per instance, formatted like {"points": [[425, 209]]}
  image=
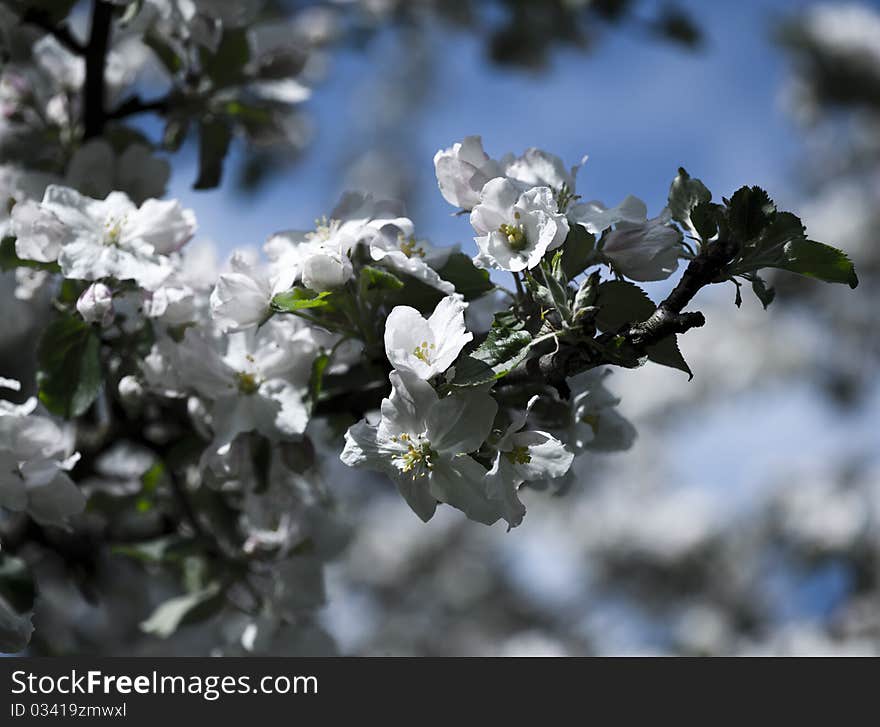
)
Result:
{"points": [[410, 247], [424, 351], [324, 229], [592, 420], [247, 383], [113, 231], [519, 455], [516, 236], [419, 458]]}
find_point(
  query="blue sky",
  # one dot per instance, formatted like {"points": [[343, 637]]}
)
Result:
{"points": [[638, 109]]}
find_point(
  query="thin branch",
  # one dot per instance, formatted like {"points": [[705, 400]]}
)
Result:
{"points": [[61, 33], [569, 360], [136, 105]]}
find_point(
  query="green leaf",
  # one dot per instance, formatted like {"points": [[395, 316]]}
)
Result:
{"points": [[577, 251], [169, 615], [493, 359], [685, 193], [215, 136], [667, 353], [297, 299], [763, 293], [316, 379], [164, 52], [469, 280], [69, 375], [585, 298], [374, 280], [16, 583], [816, 260], [707, 218], [749, 212], [225, 67], [620, 303], [558, 292]]}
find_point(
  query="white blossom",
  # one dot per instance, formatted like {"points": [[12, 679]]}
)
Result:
{"points": [[524, 455], [255, 380], [646, 251], [241, 299], [423, 347], [515, 229], [35, 456], [422, 442], [463, 170], [416, 258], [639, 248], [95, 239]]}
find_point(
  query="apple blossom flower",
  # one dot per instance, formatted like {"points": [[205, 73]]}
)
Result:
{"points": [[416, 258], [242, 297], [596, 217], [646, 251], [463, 170], [35, 456], [423, 443], [423, 347], [515, 229], [596, 424], [639, 248], [524, 455], [95, 304], [95, 239], [255, 380]]}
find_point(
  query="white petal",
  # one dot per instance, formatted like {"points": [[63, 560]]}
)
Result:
{"points": [[460, 423]]}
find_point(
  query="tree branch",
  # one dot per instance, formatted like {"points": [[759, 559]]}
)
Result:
{"points": [[136, 105], [61, 33], [569, 360], [96, 59]]}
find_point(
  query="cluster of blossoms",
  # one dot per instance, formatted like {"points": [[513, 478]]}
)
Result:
{"points": [[523, 207]]}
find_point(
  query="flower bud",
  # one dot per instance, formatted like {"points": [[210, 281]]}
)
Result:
{"points": [[95, 305]]}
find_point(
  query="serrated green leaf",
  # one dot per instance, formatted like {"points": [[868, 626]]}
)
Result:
{"points": [[817, 260], [297, 299], [69, 375], [667, 353], [469, 280], [749, 212], [620, 303], [493, 359]]}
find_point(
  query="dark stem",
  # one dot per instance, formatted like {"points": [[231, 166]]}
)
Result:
{"points": [[61, 33], [136, 105], [96, 60], [569, 360]]}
